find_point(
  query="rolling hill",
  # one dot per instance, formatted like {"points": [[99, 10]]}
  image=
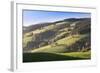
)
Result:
{"points": [[59, 38]]}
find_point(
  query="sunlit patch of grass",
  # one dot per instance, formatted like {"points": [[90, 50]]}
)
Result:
{"points": [[70, 40], [26, 40], [78, 54], [50, 49]]}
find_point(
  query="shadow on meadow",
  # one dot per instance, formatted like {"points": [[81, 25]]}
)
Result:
{"points": [[37, 57]]}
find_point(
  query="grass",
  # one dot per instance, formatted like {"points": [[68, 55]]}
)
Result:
{"points": [[27, 38], [37, 57], [50, 49], [61, 45], [69, 40], [79, 54]]}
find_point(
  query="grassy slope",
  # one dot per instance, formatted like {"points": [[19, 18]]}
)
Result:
{"points": [[61, 46], [37, 57], [27, 38], [78, 54]]}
